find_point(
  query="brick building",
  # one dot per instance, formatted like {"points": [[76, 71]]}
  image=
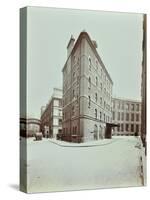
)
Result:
{"points": [[87, 91]]}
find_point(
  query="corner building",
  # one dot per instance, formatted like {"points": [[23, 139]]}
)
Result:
{"points": [[87, 92]]}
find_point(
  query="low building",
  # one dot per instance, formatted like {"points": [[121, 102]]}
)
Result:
{"points": [[126, 113], [51, 115], [29, 127]]}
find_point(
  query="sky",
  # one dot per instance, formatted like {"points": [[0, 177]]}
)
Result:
{"points": [[119, 39]]}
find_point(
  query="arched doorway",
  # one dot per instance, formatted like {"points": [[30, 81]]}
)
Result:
{"points": [[95, 132], [100, 132]]}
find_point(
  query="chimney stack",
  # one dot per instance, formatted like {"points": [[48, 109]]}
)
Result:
{"points": [[70, 45]]}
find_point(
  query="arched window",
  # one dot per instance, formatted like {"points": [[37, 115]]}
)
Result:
{"points": [[96, 113], [74, 74], [73, 94], [96, 80], [89, 101], [100, 115], [101, 86], [96, 64], [90, 64], [100, 100], [95, 132], [104, 104], [89, 83], [96, 97]]}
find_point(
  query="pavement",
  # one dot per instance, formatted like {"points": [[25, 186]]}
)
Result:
{"points": [[85, 144], [56, 166]]}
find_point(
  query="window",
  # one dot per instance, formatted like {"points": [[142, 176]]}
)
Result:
{"points": [[101, 73], [127, 127], [96, 65], [96, 80], [60, 112], [89, 102], [127, 106], [60, 122], [74, 76], [90, 64], [137, 117], [132, 127], [74, 59], [104, 117], [100, 115], [56, 102], [137, 128], [122, 116], [122, 128], [101, 86], [118, 105], [118, 115], [89, 83], [122, 106], [137, 107], [132, 107], [113, 104], [113, 115], [127, 116], [55, 122], [78, 62], [105, 91], [73, 94], [132, 116], [96, 97], [73, 110], [104, 104], [56, 112], [100, 100], [96, 113]]}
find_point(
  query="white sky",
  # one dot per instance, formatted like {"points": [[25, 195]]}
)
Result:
{"points": [[119, 39]]}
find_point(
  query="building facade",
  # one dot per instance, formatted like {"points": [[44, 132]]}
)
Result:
{"points": [[126, 113], [51, 115], [29, 127], [87, 92]]}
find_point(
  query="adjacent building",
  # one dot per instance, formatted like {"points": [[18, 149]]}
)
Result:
{"points": [[126, 113], [51, 115], [29, 127], [87, 91]]}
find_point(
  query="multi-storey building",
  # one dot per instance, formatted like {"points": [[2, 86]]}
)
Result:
{"points": [[51, 115], [87, 91], [126, 113]]}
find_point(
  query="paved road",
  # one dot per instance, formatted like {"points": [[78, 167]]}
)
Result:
{"points": [[55, 168]]}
